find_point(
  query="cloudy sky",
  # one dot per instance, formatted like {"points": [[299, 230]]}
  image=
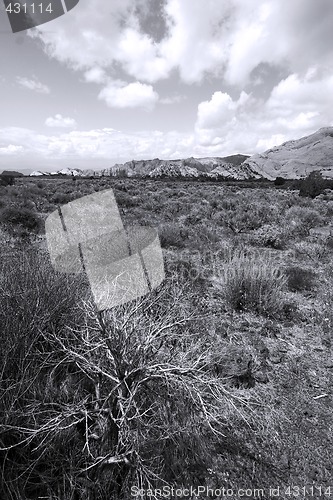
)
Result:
{"points": [[115, 80]]}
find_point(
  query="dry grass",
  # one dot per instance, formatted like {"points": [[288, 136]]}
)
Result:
{"points": [[255, 285], [249, 364]]}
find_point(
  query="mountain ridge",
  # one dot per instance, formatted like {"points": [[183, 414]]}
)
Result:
{"points": [[293, 159], [296, 158], [210, 167]]}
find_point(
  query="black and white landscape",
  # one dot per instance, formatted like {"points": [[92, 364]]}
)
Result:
{"points": [[211, 122]]}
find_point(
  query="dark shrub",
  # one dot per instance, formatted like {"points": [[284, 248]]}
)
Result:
{"points": [[279, 181], [122, 173], [313, 185], [172, 235], [300, 279], [329, 242], [234, 364], [34, 299], [125, 200], [289, 310], [21, 217], [61, 198], [7, 180], [120, 186]]}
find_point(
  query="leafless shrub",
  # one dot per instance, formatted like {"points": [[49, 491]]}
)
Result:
{"points": [[93, 403]]}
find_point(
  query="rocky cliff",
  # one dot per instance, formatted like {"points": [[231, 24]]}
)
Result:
{"points": [[214, 167], [296, 159]]}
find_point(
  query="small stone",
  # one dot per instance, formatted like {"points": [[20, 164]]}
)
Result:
{"points": [[261, 377]]}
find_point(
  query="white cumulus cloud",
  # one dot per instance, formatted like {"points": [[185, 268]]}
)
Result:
{"points": [[119, 95], [60, 121], [95, 75], [11, 149], [32, 84], [98, 144], [297, 106], [173, 99], [212, 37]]}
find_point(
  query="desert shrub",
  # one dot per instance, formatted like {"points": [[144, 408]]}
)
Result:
{"points": [[269, 236], [95, 403], [329, 208], [249, 284], [34, 189], [61, 198], [208, 234], [49, 207], [25, 202], [326, 195], [295, 184], [27, 196], [249, 214], [13, 217], [125, 200], [188, 274], [290, 310], [13, 191], [218, 218], [313, 185], [122, 173], [202, 236], [243, 218], [301, 219], [172, 235], [279, 181], [300, 279], [121, 186], [329, 242], [314, 251], [229, 204], [7, 180], [193, 218], [33, 299]]}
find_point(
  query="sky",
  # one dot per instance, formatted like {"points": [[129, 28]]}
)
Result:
{"points": [[116, 80]]}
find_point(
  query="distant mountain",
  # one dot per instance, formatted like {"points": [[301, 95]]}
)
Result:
{"points": [[37, 173], [296, 159], [214, 167], [291, 160], [76, 172], [73, 172], [11, 173], [230, 167]]}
